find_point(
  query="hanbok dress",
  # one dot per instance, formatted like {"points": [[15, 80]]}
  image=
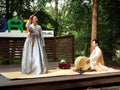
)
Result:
{"points": [[34, 59], [97, 60]]}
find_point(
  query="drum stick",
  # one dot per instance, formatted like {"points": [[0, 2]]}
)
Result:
{"points": [[35, 12]]}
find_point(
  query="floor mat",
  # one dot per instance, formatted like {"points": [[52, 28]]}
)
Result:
{"points": [[51, 73]]}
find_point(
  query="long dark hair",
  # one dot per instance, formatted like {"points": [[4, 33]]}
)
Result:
{"points": [[96, 41]]}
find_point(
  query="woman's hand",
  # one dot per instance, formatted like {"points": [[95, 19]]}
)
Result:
{"points": [[88, 61], [44, 46], [31, 17]]}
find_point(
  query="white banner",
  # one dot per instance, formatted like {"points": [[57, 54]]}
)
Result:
{"points": [[17, 33]]}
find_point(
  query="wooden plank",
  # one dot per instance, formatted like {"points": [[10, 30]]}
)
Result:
{"points": [[11, 47]]}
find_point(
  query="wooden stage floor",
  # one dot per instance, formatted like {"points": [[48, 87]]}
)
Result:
{"points": [[57, 83]]}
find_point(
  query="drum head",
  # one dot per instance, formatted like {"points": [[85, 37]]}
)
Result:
{"points": [[80, 62]]}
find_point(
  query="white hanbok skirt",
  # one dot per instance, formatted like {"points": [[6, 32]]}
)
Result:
{"points": [[34, 59]]}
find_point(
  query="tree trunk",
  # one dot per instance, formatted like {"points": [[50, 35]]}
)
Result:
{"points": [[56, 16], [56, 10], [7, 9], [51, 8], [94, 22]]}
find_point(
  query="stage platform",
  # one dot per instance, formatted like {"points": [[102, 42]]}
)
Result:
{"points": [[59, 82]]}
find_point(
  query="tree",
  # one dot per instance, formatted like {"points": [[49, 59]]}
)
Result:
{"points": [[25, 8], [7, 9], [56, 16], [109, 29], [75, 19], [94, 21]]}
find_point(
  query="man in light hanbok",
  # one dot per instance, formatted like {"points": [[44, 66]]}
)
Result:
{"points": [[34, 60]]}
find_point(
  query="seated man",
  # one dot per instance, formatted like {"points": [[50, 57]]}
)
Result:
{"points": [[96, 59]]}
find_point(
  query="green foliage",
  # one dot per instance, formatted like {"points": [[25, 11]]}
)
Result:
{"points": [[108, 28], [74, 18], [25, 8], [46, 21], [77, 21]]}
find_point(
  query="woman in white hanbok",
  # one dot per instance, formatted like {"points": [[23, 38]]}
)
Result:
{"points": [[93, 63], [96, 58], [34, 60]]}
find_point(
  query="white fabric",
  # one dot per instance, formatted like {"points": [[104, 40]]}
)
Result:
{"points": [[34, 60], [96, 53], [94, 60]]}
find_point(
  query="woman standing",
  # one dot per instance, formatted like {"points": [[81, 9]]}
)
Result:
{"points": [[34, 60]]}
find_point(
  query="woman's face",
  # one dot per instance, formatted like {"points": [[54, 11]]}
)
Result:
{"points": [[94, 44], [35, 20]]}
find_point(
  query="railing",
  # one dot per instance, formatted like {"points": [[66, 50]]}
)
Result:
{"points": [[56, 47]]}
